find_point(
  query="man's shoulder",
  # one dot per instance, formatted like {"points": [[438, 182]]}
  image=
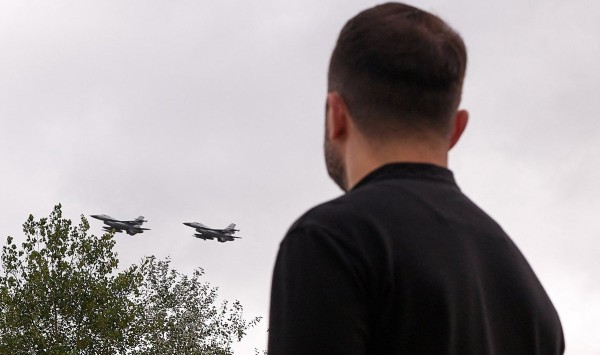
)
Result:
{"points": [[335, 225], [342, 217], [398, 206], [363, 204], [328, 215]]}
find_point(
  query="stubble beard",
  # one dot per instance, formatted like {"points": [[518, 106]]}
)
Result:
{"points": [[335, 164]]}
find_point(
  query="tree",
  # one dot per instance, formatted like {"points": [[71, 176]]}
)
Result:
{"points": [[181, 316], [61, 293]]}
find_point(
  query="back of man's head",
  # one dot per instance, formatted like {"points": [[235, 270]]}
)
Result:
{"points": [[399, 70]]}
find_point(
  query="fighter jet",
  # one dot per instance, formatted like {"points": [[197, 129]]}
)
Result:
{"points": [[222, 235], [130, 227]]}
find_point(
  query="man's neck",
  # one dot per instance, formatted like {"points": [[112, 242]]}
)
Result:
{"points": [[363, 158]]}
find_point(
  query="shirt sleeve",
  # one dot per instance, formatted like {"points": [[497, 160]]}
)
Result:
{"points": [[318, 302]]}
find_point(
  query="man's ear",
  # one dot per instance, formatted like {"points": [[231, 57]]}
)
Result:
{"points": [[337, 117], [459, 124]]}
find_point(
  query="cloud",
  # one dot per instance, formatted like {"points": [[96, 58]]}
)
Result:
{"points": [[213, 111]]}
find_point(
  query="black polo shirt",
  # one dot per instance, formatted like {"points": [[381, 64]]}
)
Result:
{"points": [[405, 263]]}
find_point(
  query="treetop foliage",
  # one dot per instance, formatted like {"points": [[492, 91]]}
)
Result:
{"points": [[61, 292]]}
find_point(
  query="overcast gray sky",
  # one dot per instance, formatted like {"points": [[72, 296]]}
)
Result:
{"points": [[212, 111]]}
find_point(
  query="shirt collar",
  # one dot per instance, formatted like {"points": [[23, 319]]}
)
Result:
{"points": [[407, 171]]}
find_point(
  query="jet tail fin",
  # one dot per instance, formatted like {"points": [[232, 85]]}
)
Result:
{"points": [[139, 221]]}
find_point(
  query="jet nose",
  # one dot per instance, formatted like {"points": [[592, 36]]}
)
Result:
{"points": [[97, 216], [189, 224]]}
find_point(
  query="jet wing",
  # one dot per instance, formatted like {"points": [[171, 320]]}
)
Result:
{"points": [[202, 236], [227, 238], [222, 231], [132, 223], [210, 229], [117, 220]]}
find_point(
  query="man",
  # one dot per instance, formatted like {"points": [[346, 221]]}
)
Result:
{"points": [[403, 263]]}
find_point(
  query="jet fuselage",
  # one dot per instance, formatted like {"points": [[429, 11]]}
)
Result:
{"points": [[204, 232], [130, 227]]}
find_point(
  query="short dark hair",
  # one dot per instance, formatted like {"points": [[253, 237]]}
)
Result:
{"points": [[399, 69]]}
